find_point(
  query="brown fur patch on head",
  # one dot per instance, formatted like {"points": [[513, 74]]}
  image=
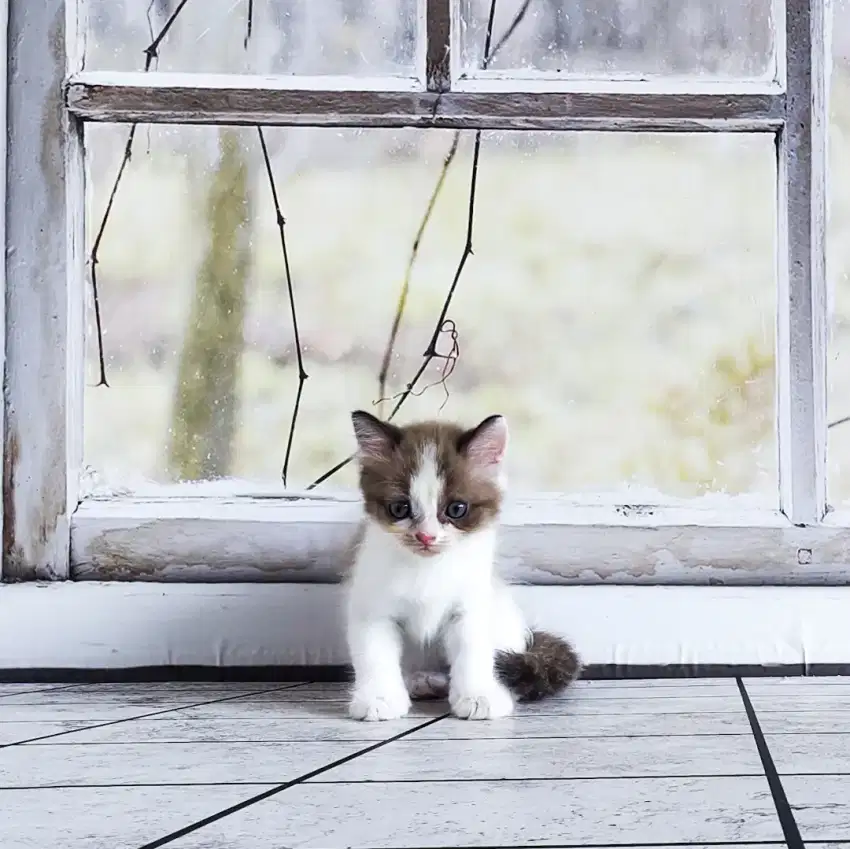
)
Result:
{"points": [[391, 456]]}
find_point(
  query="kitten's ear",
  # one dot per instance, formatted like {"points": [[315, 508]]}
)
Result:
{"points": [[375, 438], [485, 445]]}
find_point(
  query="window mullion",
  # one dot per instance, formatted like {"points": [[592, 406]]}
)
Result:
{"points": [[802, 311], [438, 45]]}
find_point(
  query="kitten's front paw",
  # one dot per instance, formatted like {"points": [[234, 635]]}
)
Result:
{"points": [[377, 706], [492, 703]]}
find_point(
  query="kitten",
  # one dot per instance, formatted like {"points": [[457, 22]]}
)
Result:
{"points": [[423, 580]]}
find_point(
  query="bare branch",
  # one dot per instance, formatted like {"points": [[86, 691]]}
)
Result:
{"points": [[151, 53], [152, 50], [426, 218], [302, 374], [414, 254], [149, 17], [506, 35], [431, 350], [249, 24], [443, 323], [93, 258]]}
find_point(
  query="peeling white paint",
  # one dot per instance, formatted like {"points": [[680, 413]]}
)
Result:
{"points": [[542, 541], [492, 104]]}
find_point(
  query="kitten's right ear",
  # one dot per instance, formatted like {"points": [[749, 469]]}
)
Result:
{"points": [[375, 439], [485, 445]]}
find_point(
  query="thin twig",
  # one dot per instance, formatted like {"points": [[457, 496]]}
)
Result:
{"points": [[449, 362], [151, 53], [488, 36], [249, 23], [149, 17], [414, 253], [93, 259], [838, 422], [426, 218], [431, 352], [506, 35], [152, 50], [302, 374], [450, 359]]}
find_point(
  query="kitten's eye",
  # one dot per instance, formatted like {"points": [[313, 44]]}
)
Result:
{"points": [[399, 509], [457, 509]]}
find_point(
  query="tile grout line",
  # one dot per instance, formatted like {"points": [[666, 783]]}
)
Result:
{"points": [[808, 712], [86, 691], [790, 830], [548, 779], [54, 688], [702, 844], [383, 781], [147, 715], [260, 797], [841, 711], [437, 740], [243, 741]]}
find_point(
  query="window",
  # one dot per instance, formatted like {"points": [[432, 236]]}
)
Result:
{"points": [[646, 296]]}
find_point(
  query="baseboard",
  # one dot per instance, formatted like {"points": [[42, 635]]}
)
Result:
{"points": [[292, 631], [287, 674]]}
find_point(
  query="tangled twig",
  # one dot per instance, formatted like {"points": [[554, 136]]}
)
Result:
{"points": [[449, 361]]}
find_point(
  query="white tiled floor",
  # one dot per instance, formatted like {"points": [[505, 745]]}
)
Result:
{"points": [[264, 766]]}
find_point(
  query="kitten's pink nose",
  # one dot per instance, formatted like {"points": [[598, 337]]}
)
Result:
{"points": [[425, 539]]}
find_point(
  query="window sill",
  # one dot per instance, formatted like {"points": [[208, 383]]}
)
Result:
{"points": [[544, 541]]}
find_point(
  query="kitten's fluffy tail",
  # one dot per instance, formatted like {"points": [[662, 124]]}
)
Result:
{"points": [[546, 667]]}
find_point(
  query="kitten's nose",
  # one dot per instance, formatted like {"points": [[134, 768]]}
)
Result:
{"points": [[425, 539]]}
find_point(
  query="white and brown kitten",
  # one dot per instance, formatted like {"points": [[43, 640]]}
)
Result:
{"points": [[427, 616]]}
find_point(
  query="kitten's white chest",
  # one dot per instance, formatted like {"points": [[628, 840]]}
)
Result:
{"points": [[420, 594], [426, 604]]}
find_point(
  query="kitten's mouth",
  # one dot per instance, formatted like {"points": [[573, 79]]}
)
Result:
{"points": [[423, 550]]}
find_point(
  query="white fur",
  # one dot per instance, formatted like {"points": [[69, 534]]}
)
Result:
{"points": [[447, 607], [425, 490]]}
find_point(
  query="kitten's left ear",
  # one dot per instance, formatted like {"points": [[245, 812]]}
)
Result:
{"points": [[485, 445], [376, 439]]}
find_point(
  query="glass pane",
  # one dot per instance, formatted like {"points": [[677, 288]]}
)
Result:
{"points": [[838, 261], [630, 38], [310, 37], [618, 307]]}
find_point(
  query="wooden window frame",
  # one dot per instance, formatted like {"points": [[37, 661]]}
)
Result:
{"points": [[50, 534]]}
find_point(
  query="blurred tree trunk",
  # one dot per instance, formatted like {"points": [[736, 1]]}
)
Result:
{"points": [[206, 396], [563, 20]]}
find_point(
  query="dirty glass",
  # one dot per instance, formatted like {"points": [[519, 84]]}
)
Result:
{"points": [[360, 38], [623, 38], [618, 308]]}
